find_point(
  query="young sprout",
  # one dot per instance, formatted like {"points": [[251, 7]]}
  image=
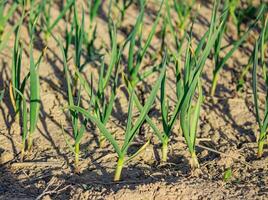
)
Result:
{"points": [[102, 106], [82, 37], [220, 62], [16, 75], [5, 16], [246, 69], [44, 10], [135, 39], [189, 118], [90, 35], [78, 130], [79, 38], [33, 75], [183, 10], [168, 121], [187, 80], [191, 86], [178, 35], [259, 60], [35, 100], [131, 127]]}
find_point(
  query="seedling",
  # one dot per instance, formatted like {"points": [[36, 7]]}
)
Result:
{"points": [[135, 58], [227, 175], [90, 34], [220, 62], [33, 75], [191, 82], [259, 61], [187, 80], [78, 130], [247, 68], [79, 38], [131, 127], [16, 75], [34, 95], [5, 16], [44, 9], [183, 11], [243, 15], [101, 106]]}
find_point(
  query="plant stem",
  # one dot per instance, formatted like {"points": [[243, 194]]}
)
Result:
{"points": [[164, 151], [30, 142], [76, 151], [119, 168], [194, 161], [214, 83], [102, 141], [260, 148], [22, 151]]}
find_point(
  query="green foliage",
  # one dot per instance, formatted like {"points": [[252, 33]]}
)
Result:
{"points": [[135, 39], [259, 61], [125, 4], [183, 11], [191, 89], [220, 62], [5, 15], [118, 66], [241, 81], [93, 6], [78, 130], [16, 74], [227, 175], [66, 8], [35, 101], [131, 127]]}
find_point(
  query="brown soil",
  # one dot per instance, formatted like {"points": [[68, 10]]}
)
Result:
{"points": [[227, 125]]}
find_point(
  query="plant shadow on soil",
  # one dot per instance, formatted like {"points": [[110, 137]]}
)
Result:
{"points": [[9, 184], [99, 175], [133, 175]]}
